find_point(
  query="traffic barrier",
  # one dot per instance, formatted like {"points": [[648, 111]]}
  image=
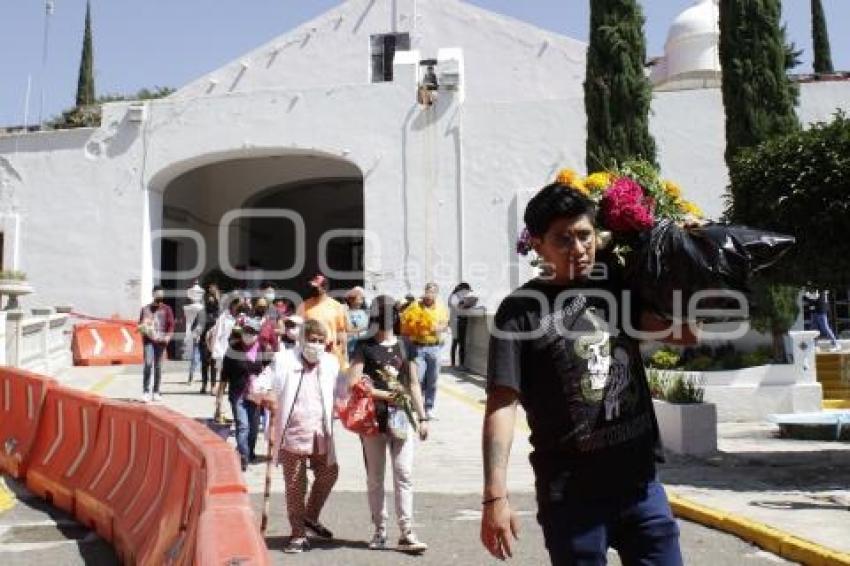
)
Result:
{"points": [[208, 469], [21, 397], [103, 343], [115, 466], [229, 535], [137, 512], [67, 434], [163, 488]]}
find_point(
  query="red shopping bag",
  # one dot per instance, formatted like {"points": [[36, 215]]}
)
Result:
{"points": [[358, 414]]}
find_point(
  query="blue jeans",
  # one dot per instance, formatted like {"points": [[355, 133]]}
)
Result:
{"points": [[153, 359], [246, 420], [428, 364], [194, 359], [822, 324], [641, 527]]}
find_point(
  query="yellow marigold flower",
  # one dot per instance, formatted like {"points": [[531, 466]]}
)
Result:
{"points": [[690, 208], [672, 189], [598, 181], [566, 177], [579, 185]]}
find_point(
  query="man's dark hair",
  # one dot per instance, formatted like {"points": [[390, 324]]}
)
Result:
{"points": [[556, 201]]}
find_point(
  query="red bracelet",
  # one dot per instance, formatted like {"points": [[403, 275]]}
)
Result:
{"points": [[492, 500]]}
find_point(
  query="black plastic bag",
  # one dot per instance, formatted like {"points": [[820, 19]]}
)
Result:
{"points": [[711, 257]]}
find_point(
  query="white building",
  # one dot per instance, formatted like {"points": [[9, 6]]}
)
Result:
{"points": [[325, 122]]}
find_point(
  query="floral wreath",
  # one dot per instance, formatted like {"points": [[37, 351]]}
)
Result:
{"points": [[631, 199]]}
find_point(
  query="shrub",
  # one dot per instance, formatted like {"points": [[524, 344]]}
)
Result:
{"points": [[684, 390], [665, 358], [674, 387]]}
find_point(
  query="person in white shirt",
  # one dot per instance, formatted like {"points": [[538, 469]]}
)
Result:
{"points": [[301, 386]]}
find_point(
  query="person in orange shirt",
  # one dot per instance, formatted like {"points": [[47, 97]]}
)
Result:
{"points": [[320, 306]]}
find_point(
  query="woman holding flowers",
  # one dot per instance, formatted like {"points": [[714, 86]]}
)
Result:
{"points": [[400, 414]]}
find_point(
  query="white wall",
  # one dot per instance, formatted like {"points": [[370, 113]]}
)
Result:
{"points": [[506, 59]]}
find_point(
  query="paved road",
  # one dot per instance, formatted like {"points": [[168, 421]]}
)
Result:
{"points": [[447, 477]]}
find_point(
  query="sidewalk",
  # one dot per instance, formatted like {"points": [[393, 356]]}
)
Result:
{"points": [[796, 486]]}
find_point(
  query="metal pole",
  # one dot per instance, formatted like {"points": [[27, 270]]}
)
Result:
{"points": [[48, 11]]}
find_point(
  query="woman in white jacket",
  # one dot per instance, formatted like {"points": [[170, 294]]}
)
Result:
{"points": [[302, 385]]}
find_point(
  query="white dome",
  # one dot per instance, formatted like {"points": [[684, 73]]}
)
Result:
{"points": [[703, 18], [691, 54]]}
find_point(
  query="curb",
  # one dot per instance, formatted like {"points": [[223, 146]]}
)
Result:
{"points": [[778, 542]]}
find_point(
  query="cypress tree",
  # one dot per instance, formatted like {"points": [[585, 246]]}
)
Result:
{"points": [[758, 96], [823, 55], [85, 82], [617, 92]]}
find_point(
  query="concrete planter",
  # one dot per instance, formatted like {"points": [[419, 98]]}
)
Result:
{"points": [[14, 288], [687, 429]]}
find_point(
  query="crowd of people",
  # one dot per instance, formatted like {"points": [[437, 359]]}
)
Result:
{"points": [[287, 369]]}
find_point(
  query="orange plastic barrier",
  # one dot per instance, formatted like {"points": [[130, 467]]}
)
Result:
{"points": [[229, 535], [67, 434], [165, 477], [115, 467], [103, 343], [21, 397], [162, 487]]}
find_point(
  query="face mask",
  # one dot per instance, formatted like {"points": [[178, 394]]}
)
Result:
{"points": [[269, 297], [292, 334], [312, 352], [249, 339]]}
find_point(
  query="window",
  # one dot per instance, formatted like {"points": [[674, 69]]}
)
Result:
{"points": [[384, 47]]}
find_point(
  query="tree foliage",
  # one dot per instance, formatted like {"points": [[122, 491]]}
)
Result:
{"points": [[617, 92], [820, 39], [800, 184], [758, 96], [85, 81], [89, 116]]}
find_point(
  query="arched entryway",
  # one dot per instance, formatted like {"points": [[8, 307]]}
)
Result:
{"points": [[239, 220]]}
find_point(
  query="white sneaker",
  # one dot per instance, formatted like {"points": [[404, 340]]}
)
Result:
{"points": [[378, 541], [146, 397], [409, 543], [157, 398]]}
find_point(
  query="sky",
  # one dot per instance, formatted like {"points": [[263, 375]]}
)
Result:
{"points": [[146, 43]]}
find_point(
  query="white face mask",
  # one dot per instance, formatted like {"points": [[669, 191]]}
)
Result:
{"points": [[249, 339], [269, 297], [312, 352], [292, 334]]}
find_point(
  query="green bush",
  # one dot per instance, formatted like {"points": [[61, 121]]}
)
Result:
{"points": [[664, 358], [760, 357], [683, 390], [799, 184], [674, 387], [699, 363]]}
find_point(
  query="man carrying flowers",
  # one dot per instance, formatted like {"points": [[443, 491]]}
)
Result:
{"points": [[424, 324], [565, 345]]}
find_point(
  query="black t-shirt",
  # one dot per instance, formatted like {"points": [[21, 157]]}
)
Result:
{"points": [[581, 381], [376, 356]]}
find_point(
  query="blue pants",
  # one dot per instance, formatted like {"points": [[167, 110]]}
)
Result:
{"points": [[194, 359], [578, 531], [153, 360], [246, 420], [822, 324], [428, 364]]}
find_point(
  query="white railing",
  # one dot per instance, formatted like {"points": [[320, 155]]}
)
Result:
{"points": [[38, 341]]}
